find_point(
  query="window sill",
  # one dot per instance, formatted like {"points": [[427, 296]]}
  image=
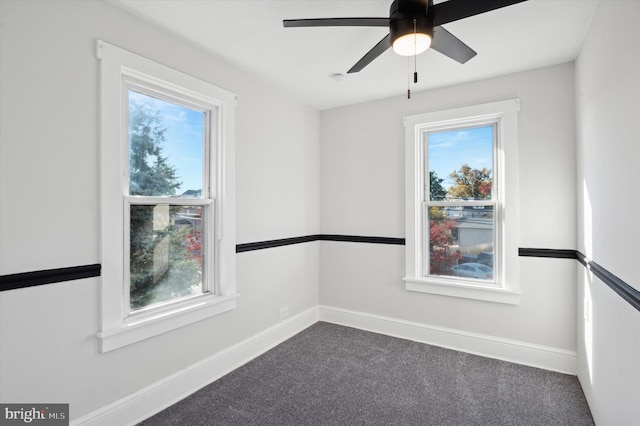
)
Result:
{"points": [[133, 331], [465, 291]]}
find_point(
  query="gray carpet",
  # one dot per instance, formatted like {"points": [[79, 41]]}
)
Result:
{"points": [[335, 375]]}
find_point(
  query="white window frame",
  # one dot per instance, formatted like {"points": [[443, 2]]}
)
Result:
{"points": [[504, 287], [119, 70]]}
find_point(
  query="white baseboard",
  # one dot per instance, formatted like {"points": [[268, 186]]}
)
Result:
{"points": [[546, 357], [160, 395]]}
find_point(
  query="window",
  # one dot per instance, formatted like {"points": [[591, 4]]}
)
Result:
{"points": [[461, 201], [167, 213], [168, 242]]}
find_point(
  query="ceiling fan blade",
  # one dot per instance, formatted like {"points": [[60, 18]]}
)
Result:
{"points": [[377, 50], [454, 10], [451, 46], [337, 22]]}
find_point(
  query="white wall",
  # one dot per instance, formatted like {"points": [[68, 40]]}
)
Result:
{"points": [[50, 215], [49, 210], [608, 115], [362, 193]]}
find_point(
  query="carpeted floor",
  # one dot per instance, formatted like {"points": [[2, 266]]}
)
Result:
{"points": [[335, 375]]}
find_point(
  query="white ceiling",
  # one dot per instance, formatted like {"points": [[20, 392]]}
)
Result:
{"points": [[301, 61]]}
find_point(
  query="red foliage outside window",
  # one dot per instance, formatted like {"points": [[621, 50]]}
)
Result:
{"points": [[442, 258], [194, 245]]}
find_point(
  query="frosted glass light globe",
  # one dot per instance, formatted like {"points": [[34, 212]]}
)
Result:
{"points": [[411, 44]]}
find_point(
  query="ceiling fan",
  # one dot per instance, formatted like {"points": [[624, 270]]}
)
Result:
{"points": [[414, 26]]}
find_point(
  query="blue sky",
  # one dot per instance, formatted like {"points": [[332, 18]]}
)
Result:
{"points": [[447, 151], [183, 139]]}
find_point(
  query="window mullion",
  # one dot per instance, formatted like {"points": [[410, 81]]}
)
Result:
{"points": [[463, 203], [175, 201]]}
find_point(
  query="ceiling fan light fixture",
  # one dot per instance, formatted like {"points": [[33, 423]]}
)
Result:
{"points": [[410, 27], [411, 44]]}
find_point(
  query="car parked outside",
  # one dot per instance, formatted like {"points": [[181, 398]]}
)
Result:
{"points": [[472, 270], [486, 258]]}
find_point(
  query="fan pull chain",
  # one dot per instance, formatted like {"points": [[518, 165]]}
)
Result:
{"points": [[408, 80], [415, 49], [415, 61]]}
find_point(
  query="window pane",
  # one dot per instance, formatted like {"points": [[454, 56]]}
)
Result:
{"points": [[165, 259], [461, 241], [165, 148], [460, 164]]}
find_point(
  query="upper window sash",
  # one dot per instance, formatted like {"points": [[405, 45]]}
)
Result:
{"points": [[210, 108], [466, 125]]}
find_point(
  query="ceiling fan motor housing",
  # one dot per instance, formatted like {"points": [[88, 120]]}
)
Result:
{"points": [[402, 15]]}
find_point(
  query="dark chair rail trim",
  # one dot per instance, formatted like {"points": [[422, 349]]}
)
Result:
{"points": [[260, 245], [360, 239], [624, 290], [554, 253], [48, 276]]}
